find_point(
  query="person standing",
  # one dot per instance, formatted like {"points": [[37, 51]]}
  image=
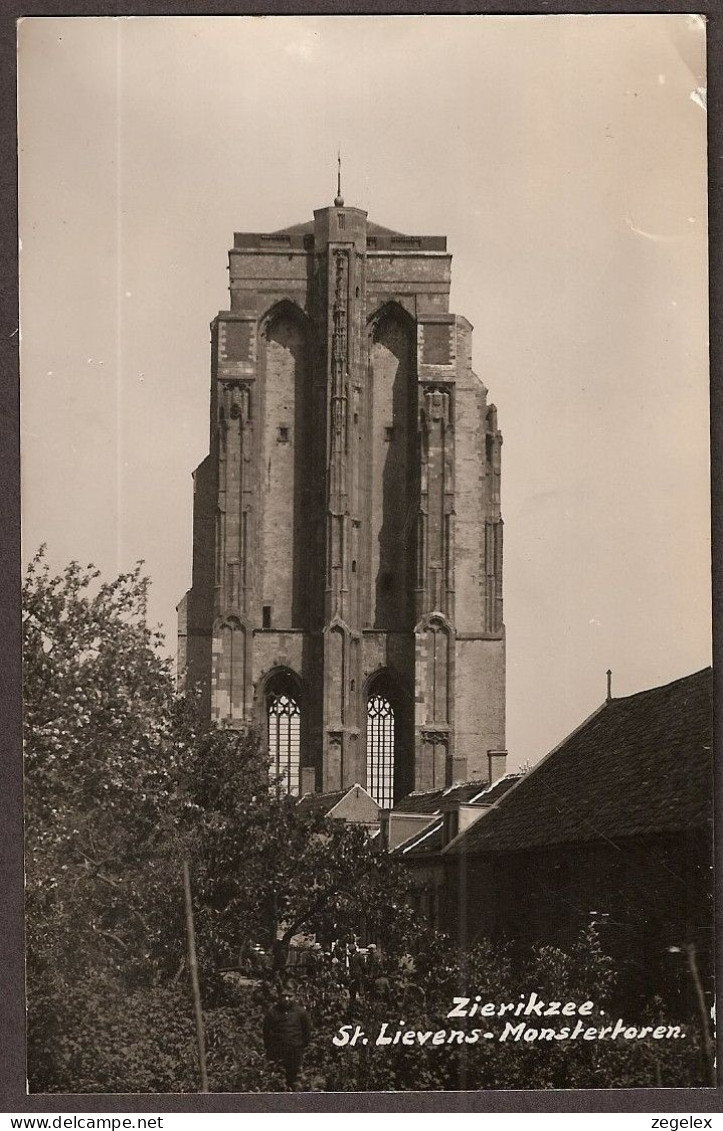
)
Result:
{"points": [[287, 1032], [357, 967]]}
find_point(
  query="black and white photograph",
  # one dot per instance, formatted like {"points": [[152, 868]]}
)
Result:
{"points": [[365, 462]]}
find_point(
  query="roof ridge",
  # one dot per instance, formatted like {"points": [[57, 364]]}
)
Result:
{"points": [[491, 785], [651, 746], [660, 686]]}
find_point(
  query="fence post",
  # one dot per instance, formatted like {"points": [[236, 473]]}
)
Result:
{"points": [[191, 938]]}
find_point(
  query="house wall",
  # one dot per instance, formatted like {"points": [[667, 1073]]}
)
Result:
{"points": [[646, 895]]}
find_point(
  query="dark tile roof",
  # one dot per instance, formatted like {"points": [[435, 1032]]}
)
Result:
{"points": [[431, 800], [497, 789], [307, 228], [380, 230], [640, 765], [422, 801], [431, 838], [312, 803]]}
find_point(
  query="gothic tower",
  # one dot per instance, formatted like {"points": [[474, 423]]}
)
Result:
{"points": [[347, 539]]}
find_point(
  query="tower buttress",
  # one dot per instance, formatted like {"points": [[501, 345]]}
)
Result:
{"points": [[347, 558]]}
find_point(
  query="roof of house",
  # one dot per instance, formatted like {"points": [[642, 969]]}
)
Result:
{"points": [[431, 838], [639, 765], [498, 788], [431, 800], [312, 803]]}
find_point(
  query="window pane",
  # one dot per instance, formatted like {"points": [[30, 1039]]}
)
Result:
{"points": [[380, 750], [284, 726]]}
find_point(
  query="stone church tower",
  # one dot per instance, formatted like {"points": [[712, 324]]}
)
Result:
{"points": [[347, 545]]}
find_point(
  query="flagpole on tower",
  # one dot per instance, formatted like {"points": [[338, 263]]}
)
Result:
{"points": [[339, 199]]}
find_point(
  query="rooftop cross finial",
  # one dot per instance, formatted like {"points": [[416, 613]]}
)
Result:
{"points": [[338, 199]]}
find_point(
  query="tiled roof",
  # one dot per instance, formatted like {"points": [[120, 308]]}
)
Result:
{"points": [[422, 801], [312, 803], [640, 765], [307, 227], [493, 792], [431, 838], [431, 800]]}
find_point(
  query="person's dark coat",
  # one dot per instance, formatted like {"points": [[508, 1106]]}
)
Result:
{"points": [[286, 1030]]}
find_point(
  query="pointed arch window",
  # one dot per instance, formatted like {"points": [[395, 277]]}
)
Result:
{"points": [[284, 734], [380, 750]]}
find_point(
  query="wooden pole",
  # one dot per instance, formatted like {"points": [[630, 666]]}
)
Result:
{"points": [[705, 1027], [200, 1040]]}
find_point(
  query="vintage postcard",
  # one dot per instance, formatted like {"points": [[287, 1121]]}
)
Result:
{"points": [[329, 787]]}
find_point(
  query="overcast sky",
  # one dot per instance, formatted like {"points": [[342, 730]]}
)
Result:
{"points": [[564, 159]]}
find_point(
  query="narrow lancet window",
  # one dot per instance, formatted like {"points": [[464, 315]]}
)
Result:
{"points": [[380, 750], [284, 719]]}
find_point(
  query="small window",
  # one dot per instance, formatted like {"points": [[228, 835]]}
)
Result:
{"points": [[389, 433], [266, 616], [353, 567], [283, 434], [342, 221]]}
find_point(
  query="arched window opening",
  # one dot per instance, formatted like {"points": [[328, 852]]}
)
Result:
{"points": [[392, 439], [284, 723], [380, 750], [285, 436]]}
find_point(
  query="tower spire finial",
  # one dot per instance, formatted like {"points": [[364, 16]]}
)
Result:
{"points": [[338, 199]]}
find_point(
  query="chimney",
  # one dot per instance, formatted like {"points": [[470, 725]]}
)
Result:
{"points": [[308, 780], [497, 760]]}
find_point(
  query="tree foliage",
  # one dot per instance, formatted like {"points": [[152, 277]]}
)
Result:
{"points": [[102, 772], [101, 768], [266, 873], [125, 780]]}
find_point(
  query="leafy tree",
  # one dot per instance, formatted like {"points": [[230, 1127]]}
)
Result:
{"points": [[102, 768], [264, 872], [124, 780], [101, 763]]}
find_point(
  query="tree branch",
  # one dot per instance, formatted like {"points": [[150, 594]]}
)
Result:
{"points": [[111, 935]]}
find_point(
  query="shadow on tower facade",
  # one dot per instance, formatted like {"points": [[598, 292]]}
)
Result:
{"points": [[347, 536]]}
